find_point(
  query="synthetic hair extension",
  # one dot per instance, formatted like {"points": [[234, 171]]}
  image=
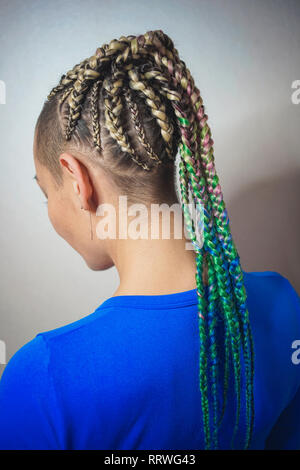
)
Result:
{"points": [[136, 100]]}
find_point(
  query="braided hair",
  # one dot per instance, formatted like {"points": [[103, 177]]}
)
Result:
{"points": [[134, 103]]}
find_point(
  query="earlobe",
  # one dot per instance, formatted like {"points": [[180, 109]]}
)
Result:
{"points": [[77, 191], [76, 187]]}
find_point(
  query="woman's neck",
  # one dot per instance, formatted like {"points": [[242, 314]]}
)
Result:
{"points": [[155, 267]]}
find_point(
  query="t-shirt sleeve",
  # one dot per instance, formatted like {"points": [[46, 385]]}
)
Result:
{"points": [[285, 434], [28, 409]]}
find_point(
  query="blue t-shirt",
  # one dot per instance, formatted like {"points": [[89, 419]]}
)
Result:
{"points": [[126, 376]]}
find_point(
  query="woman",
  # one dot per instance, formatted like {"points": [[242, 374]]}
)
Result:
{"points": [[190, 352]]}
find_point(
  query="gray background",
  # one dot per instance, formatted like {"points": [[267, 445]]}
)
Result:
{"points": [[243, 55]]}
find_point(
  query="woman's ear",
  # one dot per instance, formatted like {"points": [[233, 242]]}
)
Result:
{"points": [[79, 175]]}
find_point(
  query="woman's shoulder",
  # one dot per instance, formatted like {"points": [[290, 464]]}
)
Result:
{"points": [[35, 353], [274, 311], [274, 295], [26, 370], [273, 281], [264, 274]]}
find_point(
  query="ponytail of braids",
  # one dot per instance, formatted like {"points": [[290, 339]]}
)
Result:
{"points": [[125, 80]]}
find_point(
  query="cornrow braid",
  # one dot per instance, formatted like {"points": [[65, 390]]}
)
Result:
{"points": [[77, 96], [157, 108], [139, 128], [67, 79], [64, 95], [95, 114], [113, 108], [148, 67]]}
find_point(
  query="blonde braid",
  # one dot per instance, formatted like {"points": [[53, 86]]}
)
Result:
{"points": [[95, 114], [113, 108], [139, 128], [67, 79], [78, 94], [157, 108], [65, 94]]}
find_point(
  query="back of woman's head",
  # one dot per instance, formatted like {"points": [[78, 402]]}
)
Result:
{"points": [[129, 109], [114, 110]]}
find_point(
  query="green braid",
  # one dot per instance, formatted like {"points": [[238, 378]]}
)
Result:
{"points": [[237, 316], [226, 302], [201, 303]]}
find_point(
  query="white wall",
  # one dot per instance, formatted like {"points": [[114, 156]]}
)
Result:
{"points": [[243, 55]]}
